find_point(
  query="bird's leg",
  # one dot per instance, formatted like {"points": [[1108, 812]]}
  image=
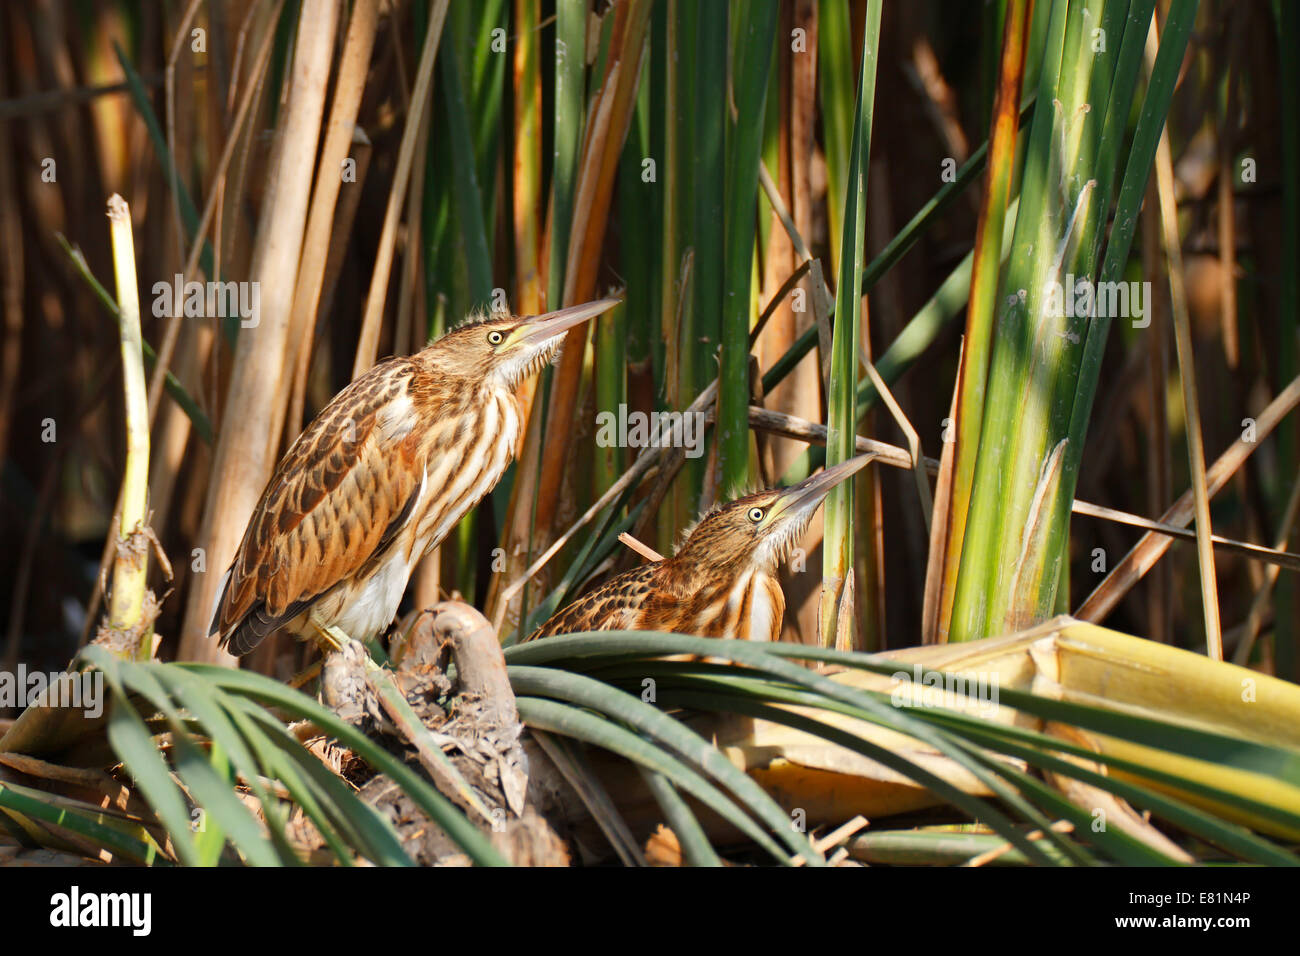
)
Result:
{"points": [[304, 676], [329, 638]]}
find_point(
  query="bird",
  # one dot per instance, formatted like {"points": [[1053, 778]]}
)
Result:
{"points": [[722, 581], [379, 478]]}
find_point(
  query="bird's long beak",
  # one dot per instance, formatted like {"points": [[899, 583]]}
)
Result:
{"points": [[808, 494], [541, 328]]}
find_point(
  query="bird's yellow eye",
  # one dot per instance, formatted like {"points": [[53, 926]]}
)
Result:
{"points": [[756, 515], [495, 337]]}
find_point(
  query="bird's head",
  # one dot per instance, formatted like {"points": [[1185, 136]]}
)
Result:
{"points": [[503, 350], [761, 529]]}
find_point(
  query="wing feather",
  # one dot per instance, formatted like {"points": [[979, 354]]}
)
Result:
{"points": [[615, 605], [336, 503]]}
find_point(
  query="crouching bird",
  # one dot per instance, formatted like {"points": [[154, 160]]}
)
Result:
{"points": [[722, 580], [379, 478]]}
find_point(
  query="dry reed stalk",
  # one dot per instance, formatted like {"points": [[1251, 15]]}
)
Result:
{"points": [[245, 454], [368, 342]]}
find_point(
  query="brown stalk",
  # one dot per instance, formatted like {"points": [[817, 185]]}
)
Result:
{"points": [[1159, 463], [1187, 375], [640, 547], [244, 455], [321, 234], [11, 272], [368, 342], [1250, 627], [527, 164], [1151, 548], [799, 393], [1227, 179], [234, 248], [410, 284], [528, 199], [938, 531], [168, 346], [193, 340], [345, 215], [602, 144], [180, 160]]}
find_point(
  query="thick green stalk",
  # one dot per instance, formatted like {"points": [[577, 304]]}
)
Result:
{"points": [[1014, 549], [837, 541], [1137, 172], [973, 375], [1038, 226], [751, 63], [467, 195], [487, 76], [835, 89]]}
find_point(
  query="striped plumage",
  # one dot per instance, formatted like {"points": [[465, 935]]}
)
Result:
{"points": [[379, 478], [722, 580]]}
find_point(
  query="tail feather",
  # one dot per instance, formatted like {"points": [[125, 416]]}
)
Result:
{"points": [[242, 636], [214, 615]]}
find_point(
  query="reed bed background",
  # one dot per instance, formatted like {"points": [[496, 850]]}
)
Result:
{"points": [[833, 223], [525, 154]]}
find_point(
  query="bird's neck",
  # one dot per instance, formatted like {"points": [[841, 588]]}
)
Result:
{"points": [[470, 441], [744, 602]]}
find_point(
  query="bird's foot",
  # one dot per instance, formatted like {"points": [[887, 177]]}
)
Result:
{"points": [[330, 639]]}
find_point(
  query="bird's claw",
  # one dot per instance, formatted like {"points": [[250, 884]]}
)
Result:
{"points": [[331, 639]]}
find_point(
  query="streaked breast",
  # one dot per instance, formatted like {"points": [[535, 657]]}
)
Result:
{"points": [[466, 456]]}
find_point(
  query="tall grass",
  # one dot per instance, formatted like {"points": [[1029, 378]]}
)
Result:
{"points": [[1041, 374], [553, 150]]}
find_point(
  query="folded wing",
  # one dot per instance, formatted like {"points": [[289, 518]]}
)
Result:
{"points": [[336, 504]]}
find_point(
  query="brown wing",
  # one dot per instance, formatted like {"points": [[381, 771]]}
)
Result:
{"points": [[336, 501], [613, 606]]}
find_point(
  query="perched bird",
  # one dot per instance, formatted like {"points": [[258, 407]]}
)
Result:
{"points": [[722, 580], [380, 477]]}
